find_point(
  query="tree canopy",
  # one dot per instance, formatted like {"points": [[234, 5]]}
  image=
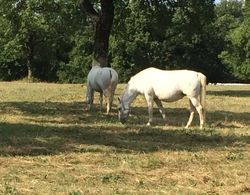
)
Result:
{"points": [[236, 53], [58, 40]]}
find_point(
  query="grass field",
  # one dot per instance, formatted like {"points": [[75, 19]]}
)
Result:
{"points": [[50, 145]]}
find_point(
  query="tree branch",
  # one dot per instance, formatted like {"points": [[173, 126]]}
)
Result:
{"points": [[87, 7]]}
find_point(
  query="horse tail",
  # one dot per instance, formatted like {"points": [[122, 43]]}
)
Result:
{"points": [[113, 76], [203, 82], [110, 74]]}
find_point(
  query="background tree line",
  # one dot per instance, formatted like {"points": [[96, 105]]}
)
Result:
{"points": [[52, 40]]}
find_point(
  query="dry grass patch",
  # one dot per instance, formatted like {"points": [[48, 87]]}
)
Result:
{"points": [[50, 145]]}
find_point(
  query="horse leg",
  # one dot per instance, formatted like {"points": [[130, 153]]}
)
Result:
{"points": [[108, 96], [101, 100], [112, 92], [199, 109], [161, 109], [150, 103], [108, 103], [192, 108], [89, 97]]}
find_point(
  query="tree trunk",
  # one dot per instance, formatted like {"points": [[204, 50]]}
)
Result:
{"points": [[29, 47], [103, 23], [30, 72]]}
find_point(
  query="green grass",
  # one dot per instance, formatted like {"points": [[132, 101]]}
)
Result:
{"points": [[50, 145]]}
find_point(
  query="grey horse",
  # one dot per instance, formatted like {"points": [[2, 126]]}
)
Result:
{"points": [[103, 80]]}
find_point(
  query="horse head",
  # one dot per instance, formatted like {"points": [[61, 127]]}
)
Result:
{"points": [[123, 112]]}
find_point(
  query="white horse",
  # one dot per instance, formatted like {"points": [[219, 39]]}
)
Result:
{"points": [[162, 85], [103, 80]]}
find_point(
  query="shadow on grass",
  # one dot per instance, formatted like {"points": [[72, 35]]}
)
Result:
{"points": [[55, 128], [58, 112], [32, 140], [74, 113], [179, 116], [231, 93]]}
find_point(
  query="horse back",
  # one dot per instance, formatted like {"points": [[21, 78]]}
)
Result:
{"points": [[167, 85], [100, 78]]}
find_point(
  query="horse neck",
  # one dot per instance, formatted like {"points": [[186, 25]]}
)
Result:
{"points": [[128, 97]]}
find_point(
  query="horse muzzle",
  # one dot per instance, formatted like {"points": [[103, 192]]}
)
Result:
{"points": [[122, 119]]}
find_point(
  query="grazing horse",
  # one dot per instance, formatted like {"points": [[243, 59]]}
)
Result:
{"points": [[103, 80], [168, 86]]}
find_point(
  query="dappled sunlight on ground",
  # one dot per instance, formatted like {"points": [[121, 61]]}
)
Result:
{"points": [[48, 141]]}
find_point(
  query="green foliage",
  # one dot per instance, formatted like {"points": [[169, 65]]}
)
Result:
{"points": [[130, 47], [169, 35], [80, 57], [54, 39], [36, 34], [236, 54], [189, 39]]}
